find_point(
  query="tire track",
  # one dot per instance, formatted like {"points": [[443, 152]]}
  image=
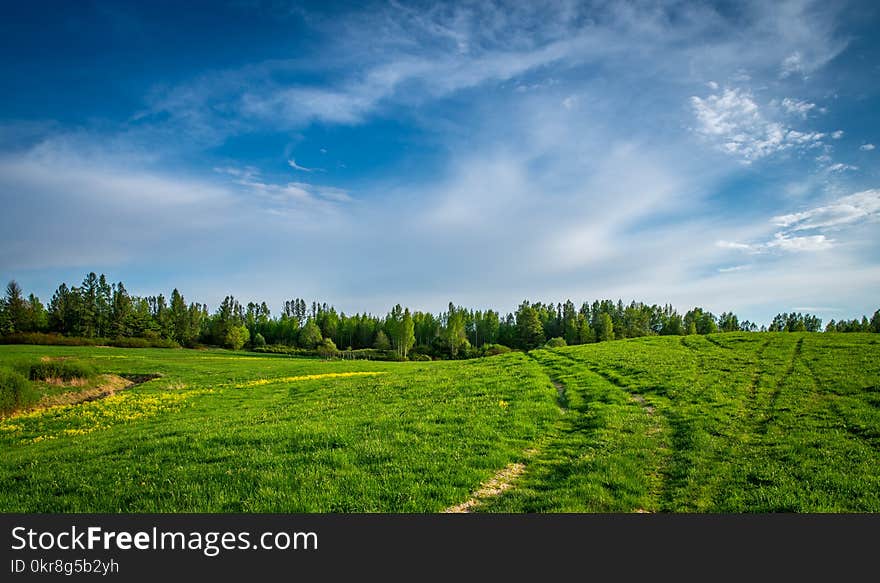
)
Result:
{"points": [[770, 410], [657, 430], [502, 481]]}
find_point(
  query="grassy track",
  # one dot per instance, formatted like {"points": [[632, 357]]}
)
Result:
{"points": [[724, 423]]}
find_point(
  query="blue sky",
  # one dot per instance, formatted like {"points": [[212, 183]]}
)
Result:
{"points": [[366, 154]]}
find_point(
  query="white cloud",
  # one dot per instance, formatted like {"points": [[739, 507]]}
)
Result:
{"points": [[792, 64], [734, 122], [734, 245], [844, 212], [866, 147], [781, 241], [797, 107], [841, 167], [733, 268], [284, 197], [292, 163], [837, 134], [858, 207], [807, 243]]}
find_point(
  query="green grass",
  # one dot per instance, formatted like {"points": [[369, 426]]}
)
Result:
{"points": [[210, 436], [724, 423]]}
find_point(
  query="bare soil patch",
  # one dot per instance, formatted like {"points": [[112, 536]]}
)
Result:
{"points": [[500, 482]]}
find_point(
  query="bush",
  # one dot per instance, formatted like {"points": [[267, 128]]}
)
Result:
{"points": [[259, 340], [125, 342], [421, 358], [556, 343], [46, 339], [370, 354], [53, 339], [494, 349], [327, 349], [15, 392], [283, 349], [60, 369]]}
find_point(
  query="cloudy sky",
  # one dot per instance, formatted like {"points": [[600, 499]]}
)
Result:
{"points": [[686, 152]]}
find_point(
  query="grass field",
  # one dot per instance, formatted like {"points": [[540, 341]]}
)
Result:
{"points": [[724, 423]]}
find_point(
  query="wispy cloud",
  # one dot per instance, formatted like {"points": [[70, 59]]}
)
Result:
{"points": [[792, 64], [838, 167], [783, 242], [734, 122], [797, 107], [855, 208], [846, 211], [733, 268], [292, 163], [866, 147], [286, 195]]}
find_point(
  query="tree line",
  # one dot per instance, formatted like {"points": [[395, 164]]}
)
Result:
{"points": [[97, 309]]}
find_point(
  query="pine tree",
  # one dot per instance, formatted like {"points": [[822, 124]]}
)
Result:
{"points": [[529, 327]]}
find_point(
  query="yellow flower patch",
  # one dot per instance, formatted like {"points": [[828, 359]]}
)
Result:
{"points": [[85, 418], [309, 377]]}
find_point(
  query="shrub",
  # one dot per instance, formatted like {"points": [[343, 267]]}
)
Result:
{"points": [[60, 369], [327, 349], [421, 358], [494, 349], [53, 339], [46, 339], [556, 343], [283, 349], [15, 392], [259, 340], [370, 354], [125, 342]]}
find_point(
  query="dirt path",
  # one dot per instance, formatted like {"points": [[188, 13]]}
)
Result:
{"points": [[500, 482]]}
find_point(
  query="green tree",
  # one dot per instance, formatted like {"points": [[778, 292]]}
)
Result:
{"points": [[728, 322], [259, 340], [310, 335], [529, 327], [15, 308], [236, 337], [570, 324], [179, 316], [382, 342], [585, 333], [89, 306], [604, 328], [121, 312], [407, 333], [454, 334], [37, 317]]}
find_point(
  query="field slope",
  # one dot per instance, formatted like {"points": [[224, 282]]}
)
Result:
{"points": [[724, 423]]}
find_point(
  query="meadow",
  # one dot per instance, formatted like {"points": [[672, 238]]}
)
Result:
{"points": [[735, 422]]}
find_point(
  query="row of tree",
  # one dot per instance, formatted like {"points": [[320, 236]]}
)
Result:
{"points": [[98, 309]]}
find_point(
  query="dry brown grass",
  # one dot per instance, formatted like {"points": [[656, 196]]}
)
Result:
{"points": [[108, 385]]}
